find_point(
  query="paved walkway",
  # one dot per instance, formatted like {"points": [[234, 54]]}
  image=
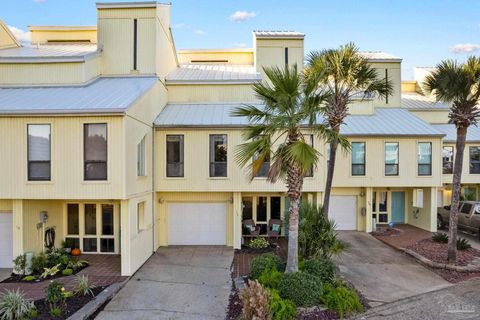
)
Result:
{"points": [[408, 236], [104, 270], [188, 282], [381, 273], [461, 302]]}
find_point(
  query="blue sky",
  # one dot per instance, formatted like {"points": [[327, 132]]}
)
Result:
{"points": [[422, 32]]}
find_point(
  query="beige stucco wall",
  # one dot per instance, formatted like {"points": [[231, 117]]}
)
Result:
{"points": [[6, 40], [210, 93], [426, 217], [63, 34], [271, 52], [467, 177], [239, 57], [432, 116]]}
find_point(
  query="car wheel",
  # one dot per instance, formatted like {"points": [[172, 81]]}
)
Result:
{"points": [[440, 223]]}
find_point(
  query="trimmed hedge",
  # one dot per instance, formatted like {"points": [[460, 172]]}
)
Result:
{"points": [[303, 289]]}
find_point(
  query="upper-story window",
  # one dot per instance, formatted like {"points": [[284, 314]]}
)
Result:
{"points": [[474, 160], [218, 155], [174, 155], [447, 159], [141, 158], [95, 151], [39, 155], [424, 158], [358, 158], [391, 158], [309, 140]]}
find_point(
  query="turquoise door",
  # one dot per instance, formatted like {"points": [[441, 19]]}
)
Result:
{"points": [[398, 207]]}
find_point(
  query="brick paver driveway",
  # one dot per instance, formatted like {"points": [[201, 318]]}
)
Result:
{"points": [[188, 282]]}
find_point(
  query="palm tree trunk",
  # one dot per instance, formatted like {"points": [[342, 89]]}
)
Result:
{"points": [[330, 169], [292, 258], [457, 180]]}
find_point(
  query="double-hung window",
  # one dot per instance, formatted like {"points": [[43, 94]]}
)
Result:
{"points": [[174, 155], [141, 158], [391, 158], [358, 158], [474, 160], [447, 159], [39, 154], [424, 158], [95, 151], [218, 155]]}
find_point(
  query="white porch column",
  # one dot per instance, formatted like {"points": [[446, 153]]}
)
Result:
{"points": [[18, 227], [368, 203], [125, 235], [433, 209], [237, 220], [319, 199]]}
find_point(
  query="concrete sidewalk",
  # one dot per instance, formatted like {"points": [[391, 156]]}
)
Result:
{"points": [[383, 274], [461, 301], [191, 282]]}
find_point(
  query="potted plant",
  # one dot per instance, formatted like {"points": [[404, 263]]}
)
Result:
{"points": [[67, 245]]}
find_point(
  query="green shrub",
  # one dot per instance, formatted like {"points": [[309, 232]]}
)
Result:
{"points": [[270, 278], [259, 243], [256, 301], [29, 278], [341, 299], [39, 262], [50, 272], [83, 286], [67, 272], [13, 305], [317, 237], [302, 288], [324, 269], [440, 237], [463, 244], [281, 309], [77, 264], [54, 295], [19, 265], [56, 312], [267, 261]]}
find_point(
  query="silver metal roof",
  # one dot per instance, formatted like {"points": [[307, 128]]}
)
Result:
{"points": [[266, 34], [50, 52], [104, 95], [385, 121], [213, 73], [380, 56], [132, 4], [450, 131], [417, 101]]}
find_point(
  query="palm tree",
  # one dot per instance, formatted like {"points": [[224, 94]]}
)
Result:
{"points": [[290, 105], [345, 76], [458, 84]]}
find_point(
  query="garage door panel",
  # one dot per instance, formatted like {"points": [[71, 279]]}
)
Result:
{"points": [[343, 210], [197, 223], [6, 243]]}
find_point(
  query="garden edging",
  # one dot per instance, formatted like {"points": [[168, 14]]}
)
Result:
{"points": [[433, 264], [91, 307]]}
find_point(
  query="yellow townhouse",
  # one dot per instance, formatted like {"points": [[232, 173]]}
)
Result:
{"points": [[121, 144]]}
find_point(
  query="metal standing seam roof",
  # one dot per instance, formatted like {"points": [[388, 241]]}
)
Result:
{"points": [[104, 95], [385, 121], [380, 56], [213, 73], [450, 131], [278, 34], [54, 52], [417, 101]]}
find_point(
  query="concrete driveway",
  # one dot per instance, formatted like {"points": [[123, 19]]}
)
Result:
{"points": [[381, 273], [5, 273], [191, 282]]}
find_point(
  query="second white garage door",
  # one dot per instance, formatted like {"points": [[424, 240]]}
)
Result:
{"points": [[343, 209], [6, 242], [197, 224]]}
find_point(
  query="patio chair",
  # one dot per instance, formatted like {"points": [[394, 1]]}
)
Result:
{"points": [[274, 228], [251, 228]]}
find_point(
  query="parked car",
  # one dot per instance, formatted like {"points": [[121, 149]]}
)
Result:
{"points": [[468, 217]]}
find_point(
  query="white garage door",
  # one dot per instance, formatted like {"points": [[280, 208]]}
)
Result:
{"points": [[197, 224], [6, 243], [343, 209]]}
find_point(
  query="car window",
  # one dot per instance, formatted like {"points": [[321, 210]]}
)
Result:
{"points": [[477, 209], [467, 207], [446, 207]]}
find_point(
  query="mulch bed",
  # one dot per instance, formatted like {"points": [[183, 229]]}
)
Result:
{"points": [[271, 248], [14, 278], [386, 232], [234, 310], [316, 313], [73, 304], [438, 252], [455, 276]]}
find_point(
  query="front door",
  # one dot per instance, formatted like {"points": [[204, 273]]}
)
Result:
{"points": [[398, 207]]}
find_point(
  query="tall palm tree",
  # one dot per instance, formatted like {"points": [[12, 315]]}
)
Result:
{"points": [[458, 84], [290, 105], [345, 76]]}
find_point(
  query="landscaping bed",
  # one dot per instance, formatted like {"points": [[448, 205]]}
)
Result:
{"points": [[386, 232], [438, 252]]}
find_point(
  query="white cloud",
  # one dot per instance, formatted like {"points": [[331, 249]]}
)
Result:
{"points": [[21, 35], [241, 16], [465, 48], [200, 32], [180, 26], [239, 45]]}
